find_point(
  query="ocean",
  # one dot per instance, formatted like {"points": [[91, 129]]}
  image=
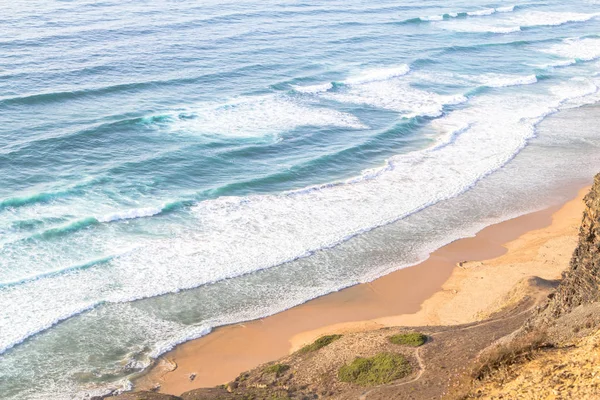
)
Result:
{"points": [[168, 167]]}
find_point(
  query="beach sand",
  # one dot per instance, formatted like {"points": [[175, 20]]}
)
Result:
{"points": [[443, 290]]}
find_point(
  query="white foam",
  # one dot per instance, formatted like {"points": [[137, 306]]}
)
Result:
{"points": [[381, 88], [505, 9], [558, 64], [504, 29], [443, 77], [43, 320], [432, 18], [489, 80], [47, 273], [397, 96], [478, 13], [478, 27], [131, 214], [323, 87], [586, 49], [515, 22], [548, 18], [378, 74], [501, 80], [261, 116], [575, 88]]}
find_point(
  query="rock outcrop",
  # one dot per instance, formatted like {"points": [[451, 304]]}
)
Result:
{"points": [[581, 282], [564, 365]]}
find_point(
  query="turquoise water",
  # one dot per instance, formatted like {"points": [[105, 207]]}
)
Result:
{"points": [[169, 167]]}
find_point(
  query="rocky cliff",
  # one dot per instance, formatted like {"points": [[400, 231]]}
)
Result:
{"points": [[581, 282], [562, 362]]}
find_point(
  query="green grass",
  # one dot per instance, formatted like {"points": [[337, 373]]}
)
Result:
{"points": [[319, 343], [413, 339], [380, 369], [277, 369]]}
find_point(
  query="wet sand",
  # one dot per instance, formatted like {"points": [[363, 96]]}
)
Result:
{"points": [[444, 289]]}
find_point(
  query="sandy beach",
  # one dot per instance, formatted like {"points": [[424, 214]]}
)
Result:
{"points": [[459, 283]]}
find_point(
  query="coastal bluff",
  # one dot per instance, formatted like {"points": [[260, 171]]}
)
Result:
{"points": [[540, 343], [554, 355], [581, 282]]}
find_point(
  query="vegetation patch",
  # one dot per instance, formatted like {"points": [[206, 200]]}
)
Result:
{"points": [[319, 343], [414, 339], [277, 369], [380, 369]]}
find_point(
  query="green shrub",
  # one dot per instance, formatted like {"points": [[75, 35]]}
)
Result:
{"points": [[277, 369], [319, 343], [413, 339], [377, 370]]}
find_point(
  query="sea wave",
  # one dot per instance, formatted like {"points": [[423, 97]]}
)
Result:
{"points": [[517, 22], [44, 324], [584, 49], [117, 123], [260, 116], [377, 74], [501, 80], [397, 96], [132, 214], [69, 228], [50, 97], [14, 202], [97, 91], [550, 18], [311, 89], [47, 196], [492, 80], [121, 215], [556, 64], [58, 271], [388, 165], [358, 78], [482, 28], [479, 13], [474, 13]]}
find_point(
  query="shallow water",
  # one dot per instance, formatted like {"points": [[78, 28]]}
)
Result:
{"points": [[260, 154]]}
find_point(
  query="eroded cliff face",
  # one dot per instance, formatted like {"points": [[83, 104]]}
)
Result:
{"points": [[565, 362], [581, 282]]}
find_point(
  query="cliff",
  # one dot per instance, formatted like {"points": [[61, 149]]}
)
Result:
{"points": [[581, 282], [555, 354]]}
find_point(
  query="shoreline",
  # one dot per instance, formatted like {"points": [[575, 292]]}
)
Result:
{"points": [[432, 292]]}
